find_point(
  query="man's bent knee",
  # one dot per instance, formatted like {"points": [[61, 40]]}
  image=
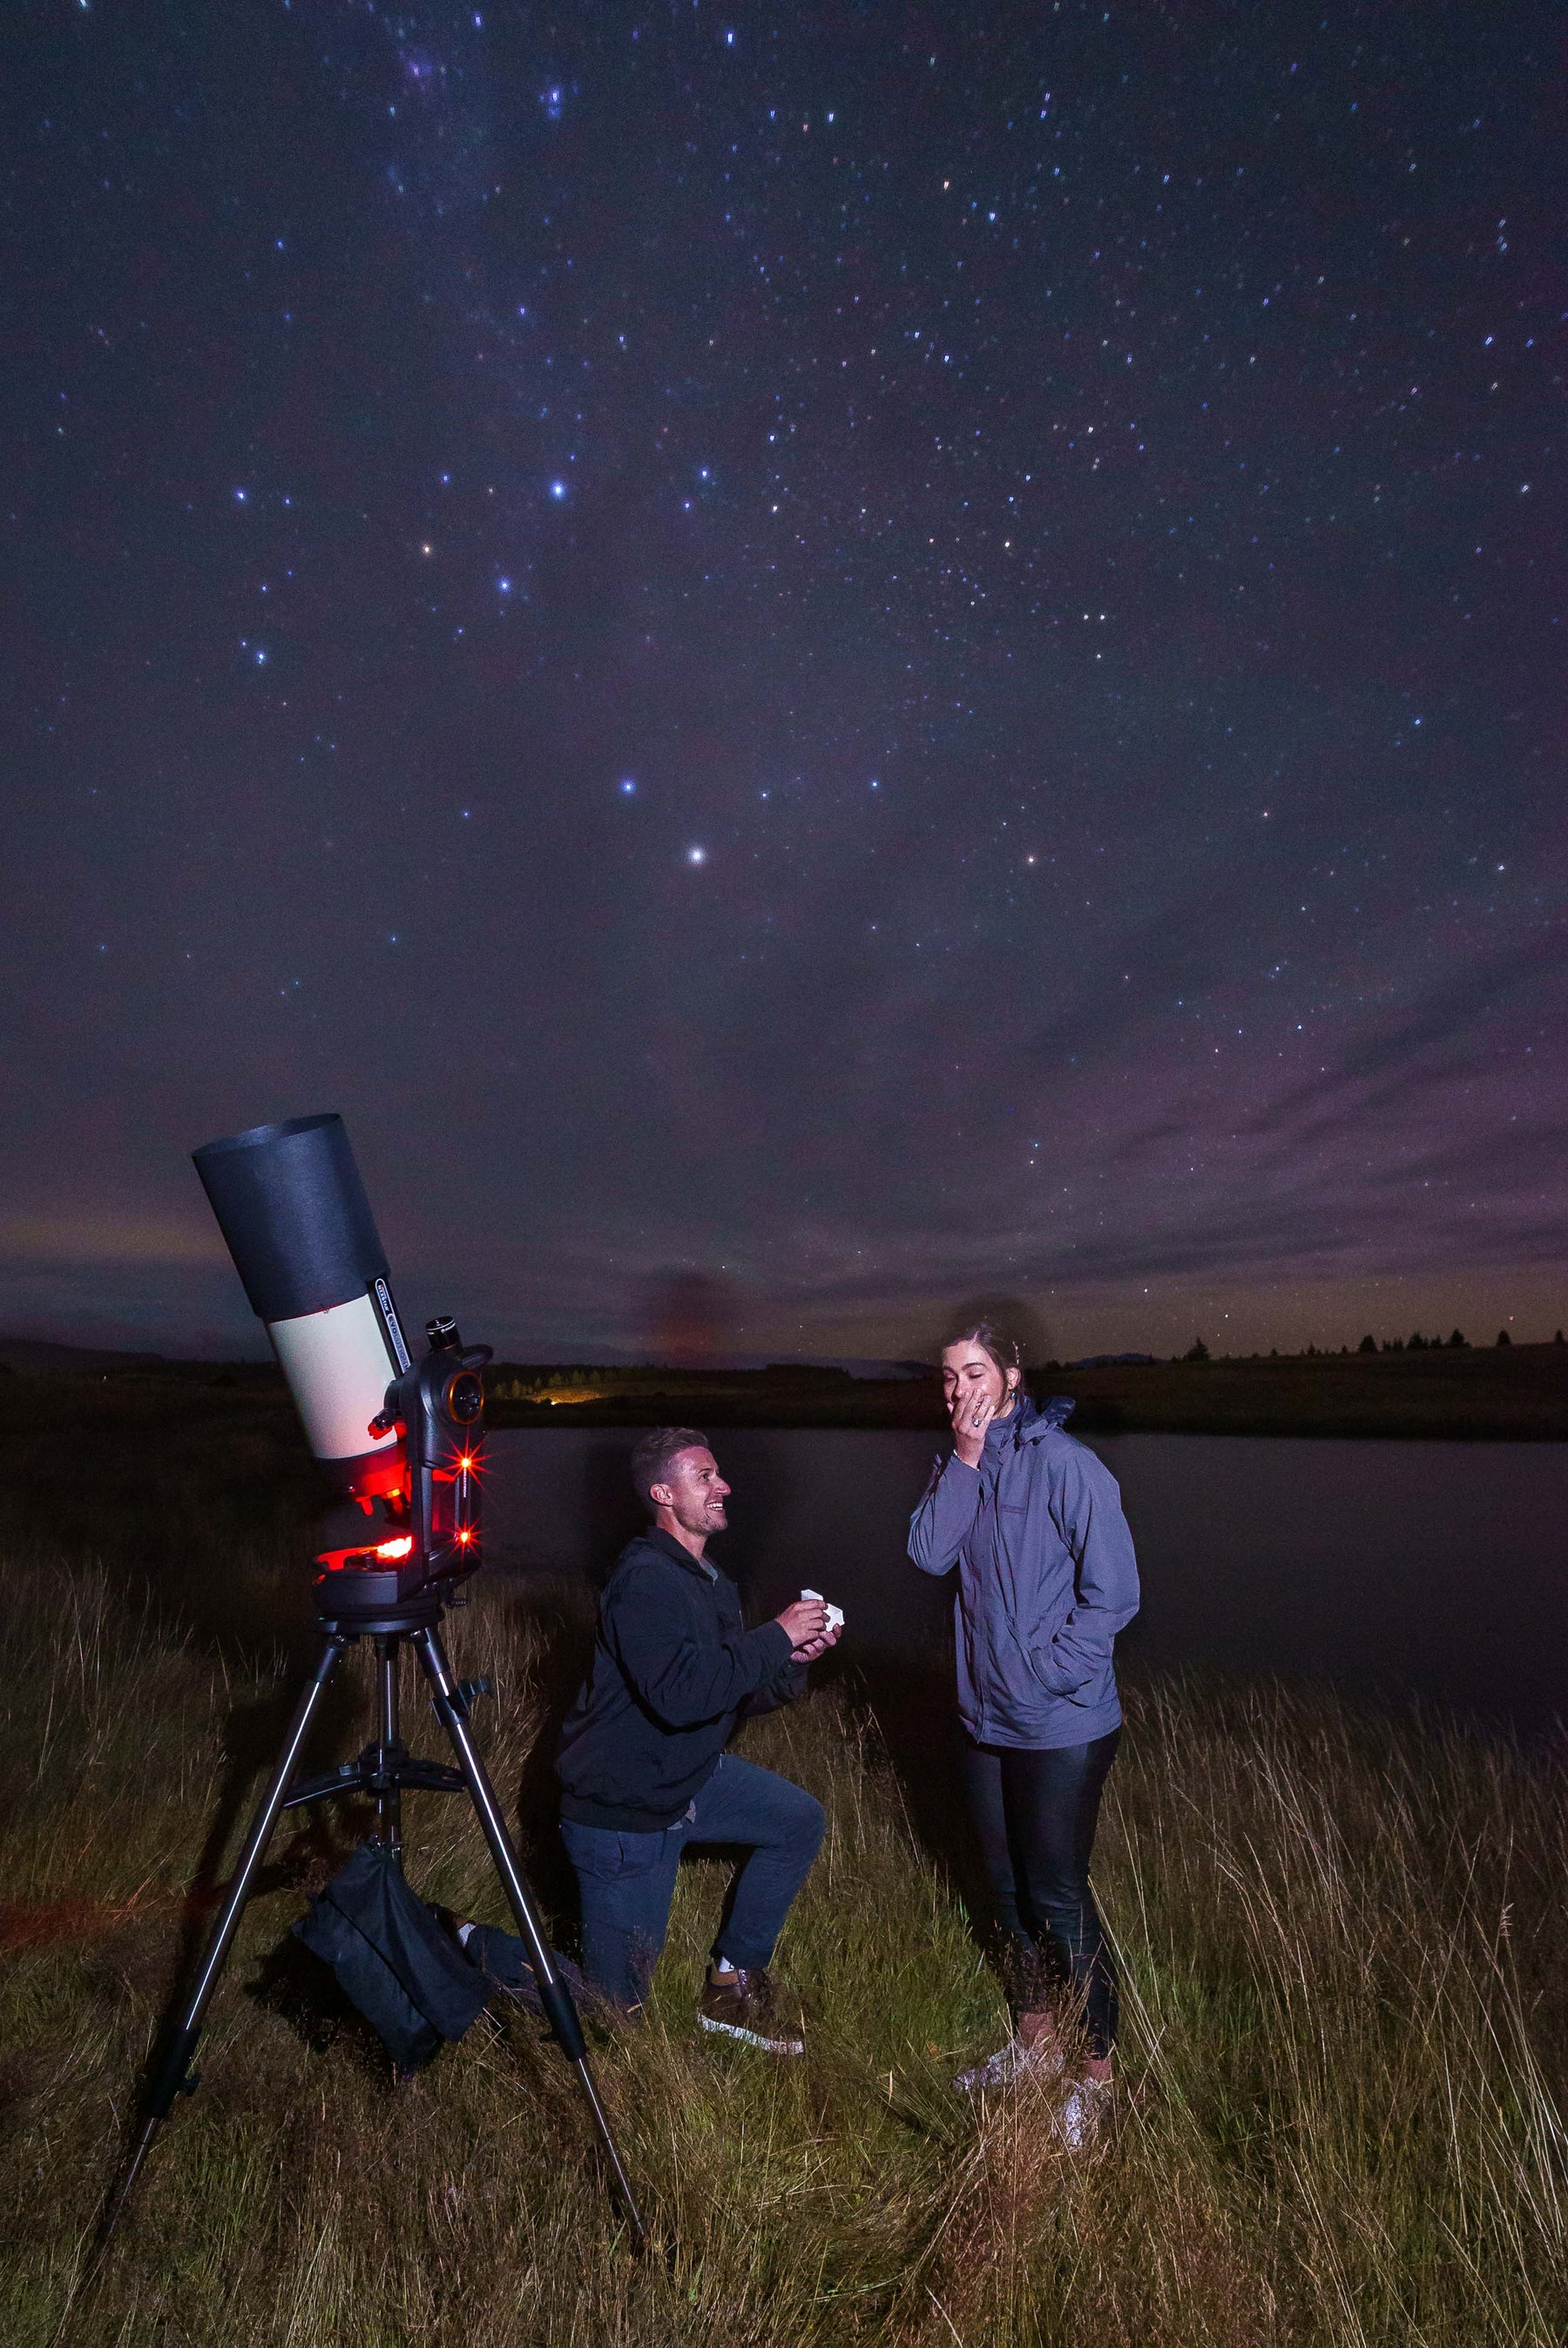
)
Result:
{"points": [[807, 1824]]}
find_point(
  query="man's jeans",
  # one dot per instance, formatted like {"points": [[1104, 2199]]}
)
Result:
{"points": [[626, 1880]]}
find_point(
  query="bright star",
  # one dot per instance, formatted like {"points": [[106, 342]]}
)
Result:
{"points": [[696, 856], [558, 489], [629, 786]]}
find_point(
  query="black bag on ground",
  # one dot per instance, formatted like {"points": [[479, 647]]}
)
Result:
{"points": [[498, 1956], [392, 1961]]}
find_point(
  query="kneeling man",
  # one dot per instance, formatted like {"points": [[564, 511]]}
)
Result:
{"points": [[643, 1769]]}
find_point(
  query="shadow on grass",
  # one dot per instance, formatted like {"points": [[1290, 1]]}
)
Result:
{"points": [[305, 1996], [550, 1627], [909, 1701]]}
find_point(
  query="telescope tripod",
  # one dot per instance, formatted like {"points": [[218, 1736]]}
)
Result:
{"points": [[383, 1769]]}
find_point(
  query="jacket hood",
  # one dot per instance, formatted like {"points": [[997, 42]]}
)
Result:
{"points": [[1028, 1422]]}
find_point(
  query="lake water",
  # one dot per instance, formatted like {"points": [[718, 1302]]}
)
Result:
{"points": [[1440, 1569]]}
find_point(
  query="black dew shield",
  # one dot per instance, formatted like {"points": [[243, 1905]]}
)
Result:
{"points": [[292, 1209]]}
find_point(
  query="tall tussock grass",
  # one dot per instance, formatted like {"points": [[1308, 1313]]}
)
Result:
{"points": [[1345, 1999]]}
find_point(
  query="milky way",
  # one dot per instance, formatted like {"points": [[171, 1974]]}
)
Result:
{"points": [[862, 658]]}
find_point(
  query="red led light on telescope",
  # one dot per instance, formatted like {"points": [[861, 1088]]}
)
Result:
{"points": [[362, 1556]]}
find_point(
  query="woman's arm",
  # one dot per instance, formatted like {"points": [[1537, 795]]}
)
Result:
{"points": [[942, 1523], [1086, 1508]]}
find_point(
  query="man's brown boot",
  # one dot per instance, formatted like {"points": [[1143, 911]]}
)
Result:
{"points": [[746, 2005]]}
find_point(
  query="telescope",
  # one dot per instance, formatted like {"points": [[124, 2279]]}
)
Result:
{"points": [[402, 1443]]}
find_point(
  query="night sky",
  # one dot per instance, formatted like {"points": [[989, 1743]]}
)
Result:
{"points": [[811, 660]]}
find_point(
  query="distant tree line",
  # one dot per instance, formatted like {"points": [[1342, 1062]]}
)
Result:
{"points": [[1456, 1342], [529, 1382]]}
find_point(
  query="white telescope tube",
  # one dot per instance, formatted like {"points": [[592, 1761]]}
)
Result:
{"points": [[338, 1370]]}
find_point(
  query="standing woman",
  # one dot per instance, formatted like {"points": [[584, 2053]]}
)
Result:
{"points": [[1047, 1577]]}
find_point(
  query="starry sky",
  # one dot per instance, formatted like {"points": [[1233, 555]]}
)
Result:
{"points": [[812, 660]]}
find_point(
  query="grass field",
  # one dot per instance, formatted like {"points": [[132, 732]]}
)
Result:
{"points": [[1345, 2011]]}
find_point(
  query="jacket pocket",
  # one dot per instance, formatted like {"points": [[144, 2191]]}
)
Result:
{"points": [[1055, 1681], [1059, 1678], [1089, 1692]]}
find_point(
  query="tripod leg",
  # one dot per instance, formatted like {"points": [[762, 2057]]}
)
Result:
{"points": [[554, 1994], [388, 1805], [174, 2073]]}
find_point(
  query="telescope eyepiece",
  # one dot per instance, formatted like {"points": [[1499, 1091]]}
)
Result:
{"points": [[443, 1334]]}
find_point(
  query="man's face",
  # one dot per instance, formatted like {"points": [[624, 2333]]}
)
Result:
{"points": [[695, 1492]]}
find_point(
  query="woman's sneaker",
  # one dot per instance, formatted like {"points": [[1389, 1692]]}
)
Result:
{"points": [[745, 2004], [1082, 2113], [1013, 2061]]}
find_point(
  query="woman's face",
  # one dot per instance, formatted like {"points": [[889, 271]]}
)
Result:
{"points": [[967, 1369]]}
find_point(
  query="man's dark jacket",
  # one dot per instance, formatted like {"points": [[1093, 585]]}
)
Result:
{"points": [[674, 1668]]}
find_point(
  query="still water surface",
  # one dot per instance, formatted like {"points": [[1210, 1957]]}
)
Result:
{"points": [[1441, 1569]]}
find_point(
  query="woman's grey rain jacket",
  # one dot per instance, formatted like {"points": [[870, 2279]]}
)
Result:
{"points": [[1047, 1577]]}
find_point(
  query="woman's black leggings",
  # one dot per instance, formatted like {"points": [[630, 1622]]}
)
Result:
{"points": [[1035, 1814]]}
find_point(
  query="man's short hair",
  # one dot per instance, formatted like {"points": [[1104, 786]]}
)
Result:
{"points": [[651, 1461]]}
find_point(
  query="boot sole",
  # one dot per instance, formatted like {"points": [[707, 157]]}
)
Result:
{"points": [[752, 2037]]}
